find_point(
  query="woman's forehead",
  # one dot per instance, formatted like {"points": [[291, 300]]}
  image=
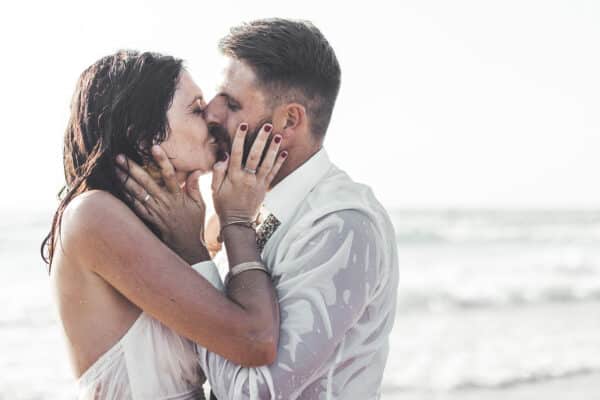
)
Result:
{"points": [[188, 88]]}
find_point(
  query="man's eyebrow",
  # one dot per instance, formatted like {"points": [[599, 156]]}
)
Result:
{"points": [[222, 91], [228, 97]]}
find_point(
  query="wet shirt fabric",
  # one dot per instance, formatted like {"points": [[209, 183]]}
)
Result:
{"points": [[333, 261]]}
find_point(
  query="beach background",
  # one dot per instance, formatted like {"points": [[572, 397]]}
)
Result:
{"points": [[475, 122], [493, 304]]}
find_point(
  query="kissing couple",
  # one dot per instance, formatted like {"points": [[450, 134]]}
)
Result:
{"points": [[308, 301]]}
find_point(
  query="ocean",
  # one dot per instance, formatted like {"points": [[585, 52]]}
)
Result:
{"points": [[490, 302]]}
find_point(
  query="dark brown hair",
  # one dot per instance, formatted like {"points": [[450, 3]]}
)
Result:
{"points": [[292, 61], [119, 106]]}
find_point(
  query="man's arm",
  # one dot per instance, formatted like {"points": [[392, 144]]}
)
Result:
{"points": [[326, 279]]}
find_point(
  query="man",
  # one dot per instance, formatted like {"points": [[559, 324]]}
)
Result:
{"points": [[327, 242]]}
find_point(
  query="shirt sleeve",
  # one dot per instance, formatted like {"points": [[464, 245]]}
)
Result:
{"points": [[325, 277], [209, 271]]}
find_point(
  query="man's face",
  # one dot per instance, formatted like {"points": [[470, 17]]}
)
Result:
{"points": [[238, 100]]}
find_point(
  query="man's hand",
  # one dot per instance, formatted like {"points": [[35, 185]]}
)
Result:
{"points": [[178, 212], [211, 235]]}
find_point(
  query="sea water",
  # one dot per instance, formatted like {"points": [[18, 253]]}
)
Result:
{"points": [[487, 299]]}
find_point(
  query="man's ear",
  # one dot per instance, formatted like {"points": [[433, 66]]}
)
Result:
{"points": [[294, 116]]}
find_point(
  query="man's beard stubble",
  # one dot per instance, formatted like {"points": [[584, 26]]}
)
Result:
{"points": [[224, 140]]}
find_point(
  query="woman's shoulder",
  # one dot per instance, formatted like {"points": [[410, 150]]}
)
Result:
{"points": [[91, 215], [94, 206]]}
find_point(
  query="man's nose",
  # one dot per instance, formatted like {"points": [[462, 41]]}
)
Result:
{"points": [[214, 113]]}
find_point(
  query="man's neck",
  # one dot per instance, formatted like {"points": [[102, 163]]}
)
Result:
{"points": [[294, 161]]}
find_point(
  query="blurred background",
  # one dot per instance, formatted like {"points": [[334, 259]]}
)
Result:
{"points": [[475, 122]]}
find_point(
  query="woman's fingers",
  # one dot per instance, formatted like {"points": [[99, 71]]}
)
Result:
{"points": [[167, 170], [258, 147], [270, 158], [219, 173], [237, 147], [135, 190], [144, 213], [273, 173], [140, 176]]}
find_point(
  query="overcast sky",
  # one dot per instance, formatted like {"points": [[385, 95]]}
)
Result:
{"points": [[462, 103]]}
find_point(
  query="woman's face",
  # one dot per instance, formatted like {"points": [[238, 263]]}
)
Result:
{"points": [[189, 146]]}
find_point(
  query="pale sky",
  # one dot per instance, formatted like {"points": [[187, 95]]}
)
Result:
{"points": [[462, 103]]}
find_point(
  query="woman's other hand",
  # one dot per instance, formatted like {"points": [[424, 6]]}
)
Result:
{"points": [[239, 190], [178, 211]]}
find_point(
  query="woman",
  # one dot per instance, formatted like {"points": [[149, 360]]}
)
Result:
{"points": [[130, 306]]}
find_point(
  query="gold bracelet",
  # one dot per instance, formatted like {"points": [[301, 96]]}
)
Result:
{"points": [[243, 267]]}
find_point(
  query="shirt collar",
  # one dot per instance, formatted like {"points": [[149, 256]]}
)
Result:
{"points": [[283, 200]]}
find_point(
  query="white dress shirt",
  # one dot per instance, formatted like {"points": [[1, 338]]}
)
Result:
{"points": [[334, 265]]}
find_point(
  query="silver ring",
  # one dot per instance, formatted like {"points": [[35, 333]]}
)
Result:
{"points": [[146, 198], [250, 170]]}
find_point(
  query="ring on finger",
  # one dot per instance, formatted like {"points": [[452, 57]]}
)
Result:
{"points": [[250, 170], [146, 198]]}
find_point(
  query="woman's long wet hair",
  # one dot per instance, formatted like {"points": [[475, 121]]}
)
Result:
{"points": [[119, 106]]}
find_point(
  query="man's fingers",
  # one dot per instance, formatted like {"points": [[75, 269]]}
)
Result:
{"points": [[270, 158], [167, 170], [237, 147], [219, 173], [258, 147], [140, 176], [273, 173]]}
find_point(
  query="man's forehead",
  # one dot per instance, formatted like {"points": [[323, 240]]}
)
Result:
{"points": [[237, 77]]}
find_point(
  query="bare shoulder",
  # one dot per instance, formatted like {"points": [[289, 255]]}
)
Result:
{"points": [[93, 220], [93, 206]]}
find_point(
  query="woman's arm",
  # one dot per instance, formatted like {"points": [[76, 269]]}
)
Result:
{"points": [[105, 236], [102, 234]]}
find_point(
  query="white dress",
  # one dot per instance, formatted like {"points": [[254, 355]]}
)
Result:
{"points": [[149, 362]]}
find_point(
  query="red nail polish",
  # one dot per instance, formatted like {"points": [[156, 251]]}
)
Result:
{"points": [[268, 128], [284, 154], [277, 139], [244, 127]]}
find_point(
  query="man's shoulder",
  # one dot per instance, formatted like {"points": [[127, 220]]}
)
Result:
{"points": [[338, 192]]}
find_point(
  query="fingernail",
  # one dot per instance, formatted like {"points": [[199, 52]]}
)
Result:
{"points": [[268, 128], [121, 159], [284, 154], [244, 127], [277, 139]]}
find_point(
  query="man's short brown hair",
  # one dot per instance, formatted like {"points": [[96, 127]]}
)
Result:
{"points": [[292, 61]]}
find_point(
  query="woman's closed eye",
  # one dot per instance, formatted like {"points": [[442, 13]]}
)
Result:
{"points": [[198, 108]]}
